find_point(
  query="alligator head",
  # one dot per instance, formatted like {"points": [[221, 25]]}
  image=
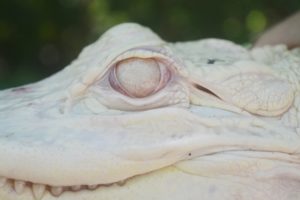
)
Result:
{"points": [[135, 117]]}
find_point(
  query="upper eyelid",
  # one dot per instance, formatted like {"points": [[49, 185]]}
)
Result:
{"points": [[159, 52], [144, 52]]}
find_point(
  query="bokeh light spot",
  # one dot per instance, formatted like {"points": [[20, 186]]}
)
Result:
{"points": [[256, 21]]}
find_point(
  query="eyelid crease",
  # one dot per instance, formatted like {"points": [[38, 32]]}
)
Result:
{"points": [[199, 87], [152, 52]]}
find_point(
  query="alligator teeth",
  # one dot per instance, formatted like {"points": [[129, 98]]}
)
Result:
{"points": [[19, 186], [56, 191], [2, 181], [38, 190], [76, 187], [92, 187]]}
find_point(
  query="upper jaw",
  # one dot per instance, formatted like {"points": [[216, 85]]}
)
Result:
{"points": [[111, 148]]}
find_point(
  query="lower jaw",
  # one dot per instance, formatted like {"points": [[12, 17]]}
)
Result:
{"points": [[232, 178]]}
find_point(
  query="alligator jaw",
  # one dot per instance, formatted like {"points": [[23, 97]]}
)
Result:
{"points": [[212, 133], [228, 171]]}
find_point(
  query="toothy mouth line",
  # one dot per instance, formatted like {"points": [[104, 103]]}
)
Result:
{"points": [[38, 190]]}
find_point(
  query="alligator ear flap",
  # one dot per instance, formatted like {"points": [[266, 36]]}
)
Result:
{"points": [[259, 93]]}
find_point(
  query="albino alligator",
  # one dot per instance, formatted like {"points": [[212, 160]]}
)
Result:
{"points": [[134, 117]]}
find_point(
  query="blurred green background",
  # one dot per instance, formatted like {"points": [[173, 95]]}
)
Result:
{"points": [[40, 37]]}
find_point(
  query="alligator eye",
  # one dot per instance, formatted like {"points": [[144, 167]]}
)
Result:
{"points": [[139, 77]]}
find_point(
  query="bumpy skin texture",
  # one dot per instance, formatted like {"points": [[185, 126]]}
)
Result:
{"points": [[222, 123]]}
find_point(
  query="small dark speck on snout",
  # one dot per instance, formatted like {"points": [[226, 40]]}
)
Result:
{"points": [[190, 154], [20, 90], [30, 104], [211, 61], [214, 60], [8, 135]]}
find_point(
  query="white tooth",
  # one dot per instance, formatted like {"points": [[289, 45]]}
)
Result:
{"points": [[76, 187], [19, 186], [38, 190], [56, 191], [2, 181], [92, 187]]}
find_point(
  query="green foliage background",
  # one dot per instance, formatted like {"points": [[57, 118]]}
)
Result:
{"points": [[39, 37]]}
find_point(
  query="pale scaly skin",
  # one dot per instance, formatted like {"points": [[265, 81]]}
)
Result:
{"points": [[223, 124]]}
